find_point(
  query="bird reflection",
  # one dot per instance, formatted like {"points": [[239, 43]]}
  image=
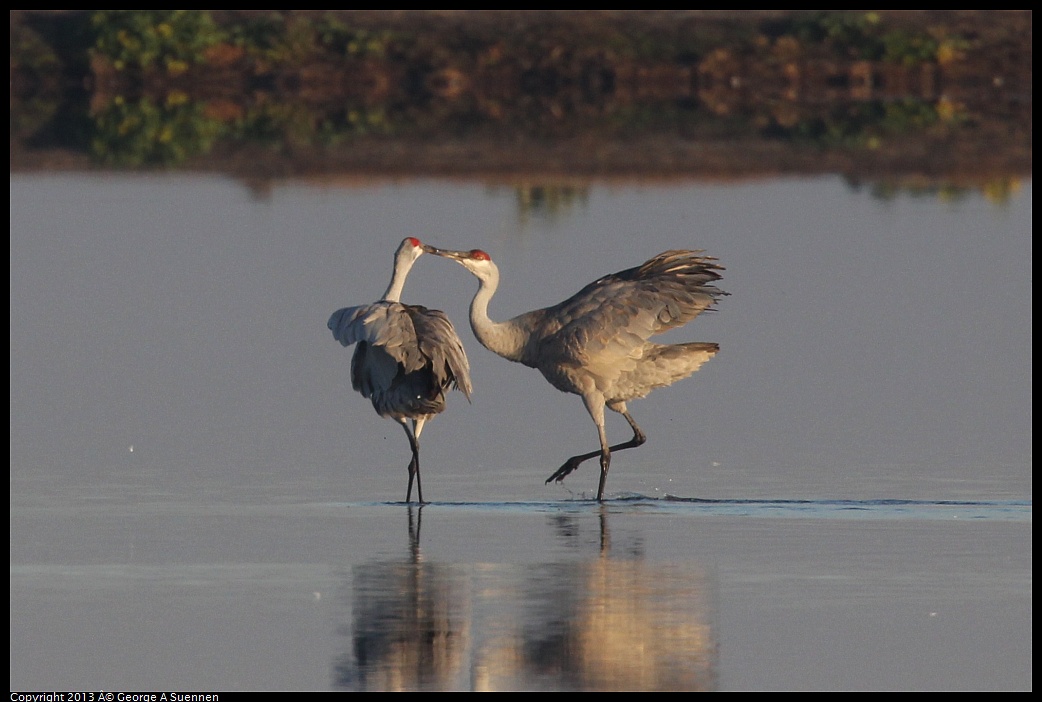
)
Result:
{"points": [[606, 624], [603, 623], [410, 625]]}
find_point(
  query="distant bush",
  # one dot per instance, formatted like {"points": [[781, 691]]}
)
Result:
{"points": [[172, 40], [862, 35]]}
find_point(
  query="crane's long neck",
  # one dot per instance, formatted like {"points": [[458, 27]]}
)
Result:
{"points": [[402, 266], [504, 338]]}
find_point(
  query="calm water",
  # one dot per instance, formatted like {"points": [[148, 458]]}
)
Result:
{"points": [[841, 499]]}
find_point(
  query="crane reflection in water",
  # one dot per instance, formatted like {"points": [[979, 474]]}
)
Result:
{"points": [[606, 623]]}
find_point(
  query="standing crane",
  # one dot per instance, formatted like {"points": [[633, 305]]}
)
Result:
{"points": [[596, 343], [406, 356]]}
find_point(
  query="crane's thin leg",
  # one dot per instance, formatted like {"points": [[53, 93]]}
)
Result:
{"points": [[414, 464], [605, 452], [414, 472]]}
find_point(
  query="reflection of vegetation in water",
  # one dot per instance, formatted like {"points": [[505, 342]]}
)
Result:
{"points": [[864, 125], [548, 201], [352, 122], [998, 191], [181, 129], [1001, 190], [142, 133], [178, 39], [294, 124], [166, 86], [139, 132]]}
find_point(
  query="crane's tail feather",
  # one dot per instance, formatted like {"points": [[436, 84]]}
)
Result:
{"points": [[665, 365]]}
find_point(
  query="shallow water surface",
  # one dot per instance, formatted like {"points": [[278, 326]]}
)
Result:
{"points": [[554, 595], [841, 499]]}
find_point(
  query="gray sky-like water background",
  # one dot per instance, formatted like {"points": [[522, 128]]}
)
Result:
{"points": [[840, 499]]}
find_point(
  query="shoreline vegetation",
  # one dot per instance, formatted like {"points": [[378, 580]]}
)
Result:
{"points": [[915, 100]]}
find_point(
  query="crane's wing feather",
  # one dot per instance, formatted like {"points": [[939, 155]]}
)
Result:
{"points": [[384, 324], [395, 339], [373, 371], [618, 313], [439, 342]]}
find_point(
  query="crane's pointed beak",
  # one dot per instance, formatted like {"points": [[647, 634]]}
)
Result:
{"points": [[445, 253]]}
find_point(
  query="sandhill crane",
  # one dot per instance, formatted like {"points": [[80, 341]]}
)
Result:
{"points": [[596, 343], [406, 356]]}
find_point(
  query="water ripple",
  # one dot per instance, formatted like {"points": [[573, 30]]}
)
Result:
{"points": [[987, 510]]}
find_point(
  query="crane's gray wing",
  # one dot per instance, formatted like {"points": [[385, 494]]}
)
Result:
{"points": [[612, 318], [439, 343], [396, 341], [384, 324]]}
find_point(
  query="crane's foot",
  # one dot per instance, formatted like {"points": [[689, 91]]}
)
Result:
{"points": [[562, 472]]}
